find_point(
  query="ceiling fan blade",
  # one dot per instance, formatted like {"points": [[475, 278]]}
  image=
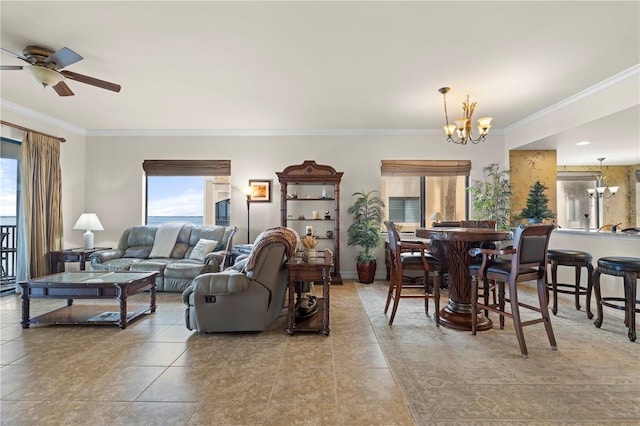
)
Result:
{"points": [[11, 67], [63, 58], [62, 89], [92, 81], [13, 54]]}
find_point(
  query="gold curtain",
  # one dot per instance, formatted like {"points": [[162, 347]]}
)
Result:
{"points": [[41, 200]]}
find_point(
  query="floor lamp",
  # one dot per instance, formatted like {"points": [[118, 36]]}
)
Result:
{"points": [[248, 191]]}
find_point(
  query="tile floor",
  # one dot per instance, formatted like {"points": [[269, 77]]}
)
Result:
{"points": [[156, 372]]}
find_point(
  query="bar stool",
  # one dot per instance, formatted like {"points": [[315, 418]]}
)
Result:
{"points": [[578, 259], [629, 268]]}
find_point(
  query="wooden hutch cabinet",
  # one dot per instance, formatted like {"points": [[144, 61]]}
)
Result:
{"points": [[310, 197]]}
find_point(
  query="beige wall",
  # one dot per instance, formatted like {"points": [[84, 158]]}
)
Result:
{"points": [[114, 177]]}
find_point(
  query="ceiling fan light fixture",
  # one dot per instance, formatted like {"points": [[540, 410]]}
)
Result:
{"points": [[44, 76]]}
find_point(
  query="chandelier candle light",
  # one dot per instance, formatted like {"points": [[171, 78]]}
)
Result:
{"points": [[599, 190], [463, 129], [89, 222]]}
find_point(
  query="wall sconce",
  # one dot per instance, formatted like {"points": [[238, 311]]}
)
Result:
{"points": [[88, 222]]}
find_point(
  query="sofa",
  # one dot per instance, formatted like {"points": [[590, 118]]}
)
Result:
{"points": [[178, 252], [248, 296]]}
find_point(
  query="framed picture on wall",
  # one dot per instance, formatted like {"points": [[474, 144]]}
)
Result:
{"points": [[260, 190]]}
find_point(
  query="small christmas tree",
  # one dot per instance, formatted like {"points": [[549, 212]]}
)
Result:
{"points": [[537, 209]]}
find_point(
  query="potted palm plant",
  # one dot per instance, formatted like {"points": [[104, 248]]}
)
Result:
{"points": [[365, 231], [491, 197]]}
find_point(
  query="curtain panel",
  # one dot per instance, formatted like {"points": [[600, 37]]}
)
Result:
{"points": [[425, 167], [41, 177]]}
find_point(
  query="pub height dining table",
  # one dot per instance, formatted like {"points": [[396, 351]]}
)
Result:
{"points": [[456, 242]]}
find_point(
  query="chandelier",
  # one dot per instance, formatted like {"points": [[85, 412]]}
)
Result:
{"points": [[462, 129], [600, 190]]}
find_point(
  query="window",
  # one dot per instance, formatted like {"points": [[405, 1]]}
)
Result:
{"points": [[404, 209], [416, 190], [9, 222], [195, 191], [574, 200]]}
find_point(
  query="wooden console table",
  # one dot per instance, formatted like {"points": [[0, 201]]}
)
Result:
{"points": [[300, 272]]}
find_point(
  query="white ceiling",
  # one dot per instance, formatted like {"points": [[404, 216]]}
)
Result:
{"points": [[324, 65]]}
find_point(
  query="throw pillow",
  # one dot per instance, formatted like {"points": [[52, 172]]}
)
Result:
{"points": [[203, 248]]}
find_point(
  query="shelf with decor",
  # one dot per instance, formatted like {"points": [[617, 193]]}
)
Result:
{"points": [[310, 202]]}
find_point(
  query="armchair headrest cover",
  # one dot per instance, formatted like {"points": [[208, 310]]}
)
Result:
{"points": [[286, 236]]}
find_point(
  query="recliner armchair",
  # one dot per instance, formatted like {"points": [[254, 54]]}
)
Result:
{"points": [[248, 296]]}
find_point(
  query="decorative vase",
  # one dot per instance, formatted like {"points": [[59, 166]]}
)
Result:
{"points": [[366, 272], [310, 255]]}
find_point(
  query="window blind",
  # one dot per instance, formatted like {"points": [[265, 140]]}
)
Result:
{"points": [[425, 167], [187, 167]]}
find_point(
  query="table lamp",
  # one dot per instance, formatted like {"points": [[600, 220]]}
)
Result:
{"points": [[89, 222], [436, 217]]}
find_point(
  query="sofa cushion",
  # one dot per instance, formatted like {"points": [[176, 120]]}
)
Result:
{"points": [[185, 269], [203, 248], [140, 253], [122, 264], [155, 265]]}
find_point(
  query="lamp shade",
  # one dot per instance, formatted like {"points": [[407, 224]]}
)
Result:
{"points": [[88, 222], [437, 217]]}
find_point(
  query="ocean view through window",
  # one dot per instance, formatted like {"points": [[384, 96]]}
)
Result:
{"points": [[200, 200]]}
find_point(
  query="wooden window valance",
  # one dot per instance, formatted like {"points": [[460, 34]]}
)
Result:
{"points": [[187, 167], [425, 167]]}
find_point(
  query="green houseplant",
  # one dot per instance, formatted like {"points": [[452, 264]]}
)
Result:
{"points": [[365, 231], [491, 196], [536, 210]]}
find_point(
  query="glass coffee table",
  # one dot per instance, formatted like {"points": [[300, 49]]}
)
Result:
{"points": [[89, 285]]}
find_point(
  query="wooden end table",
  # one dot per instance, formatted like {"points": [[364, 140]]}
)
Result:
{"points": [[88, 285], [79, 255], [300, 272]]}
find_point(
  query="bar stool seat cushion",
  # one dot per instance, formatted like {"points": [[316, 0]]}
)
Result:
{"points": [[568, 255], [620, 264]]}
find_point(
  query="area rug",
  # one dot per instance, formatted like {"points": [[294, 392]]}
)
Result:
{"points": [[452, 377]]}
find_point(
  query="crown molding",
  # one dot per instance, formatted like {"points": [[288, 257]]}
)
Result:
{"points": [[266, 132], [631, 72], [29, 113]]}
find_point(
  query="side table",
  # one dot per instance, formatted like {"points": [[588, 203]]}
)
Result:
{"points": [[78, 255], [300, 272]]}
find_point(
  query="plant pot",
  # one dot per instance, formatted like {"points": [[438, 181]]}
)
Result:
{"points": [[366, 272], [534, 220]]}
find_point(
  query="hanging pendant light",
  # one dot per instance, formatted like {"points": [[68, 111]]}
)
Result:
{"points": [[461, 132]]}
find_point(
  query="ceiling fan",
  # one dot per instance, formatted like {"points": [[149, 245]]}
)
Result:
{"points": [[46, 68]]}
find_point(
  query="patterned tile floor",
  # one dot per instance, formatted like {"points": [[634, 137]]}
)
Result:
{"points": [[365, 373]]}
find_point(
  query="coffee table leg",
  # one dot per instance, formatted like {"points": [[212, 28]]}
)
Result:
{"points": [[153, 297], [123, 307], [25, 307]]}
